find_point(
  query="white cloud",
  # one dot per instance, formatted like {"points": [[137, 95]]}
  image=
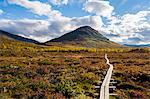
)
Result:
{"points": [[65, 24], [44, 30], [26, 27], [59, 2], [132, 23], [98, 7], [1, 11], [129, 28], [36, 7]]}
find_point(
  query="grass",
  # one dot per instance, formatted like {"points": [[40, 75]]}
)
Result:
{"points": [[31, 71]]}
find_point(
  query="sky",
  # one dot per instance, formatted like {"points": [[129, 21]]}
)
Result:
{"points": [[122, 21]]}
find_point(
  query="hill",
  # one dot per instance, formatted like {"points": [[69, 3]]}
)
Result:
{"points": [[84, 37], [142, 45], [5, 36], [41, 72]]}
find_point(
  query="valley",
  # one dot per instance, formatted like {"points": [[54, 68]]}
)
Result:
{"points": [[74, 49], [29, 71]]}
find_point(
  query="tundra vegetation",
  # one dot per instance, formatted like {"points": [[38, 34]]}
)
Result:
{"points": [[37, 71]]}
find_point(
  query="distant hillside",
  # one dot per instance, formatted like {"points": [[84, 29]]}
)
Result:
{"points": [[85, 37], [142, 45], [8, 36]]}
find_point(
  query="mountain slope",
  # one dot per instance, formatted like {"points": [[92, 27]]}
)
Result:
{"points": [[8, 36], [83, 37]]}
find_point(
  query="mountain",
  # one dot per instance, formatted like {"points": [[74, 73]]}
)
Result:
{"points": [[8, 36], [142, 45], [84, 37]]}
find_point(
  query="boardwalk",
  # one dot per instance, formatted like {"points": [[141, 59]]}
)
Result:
{"points": [[104, 91]]}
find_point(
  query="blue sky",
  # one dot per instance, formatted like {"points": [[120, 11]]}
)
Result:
{"points": [[73, 9], [57, 17]]}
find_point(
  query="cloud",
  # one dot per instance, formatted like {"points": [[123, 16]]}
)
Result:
{"points": [[36, 7], [130, 28], [59, 2], [98, 7], [93, 21], [27, 28], [136, 22], [145, 37], [1, 11], [126, 29], [44, 30], [65, 24]]}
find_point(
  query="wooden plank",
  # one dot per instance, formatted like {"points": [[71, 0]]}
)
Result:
{"points": [[113, 94], [104, 91]]}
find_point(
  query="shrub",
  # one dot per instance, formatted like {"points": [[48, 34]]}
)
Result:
{"points": [[46, 62], [42, 71]]}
